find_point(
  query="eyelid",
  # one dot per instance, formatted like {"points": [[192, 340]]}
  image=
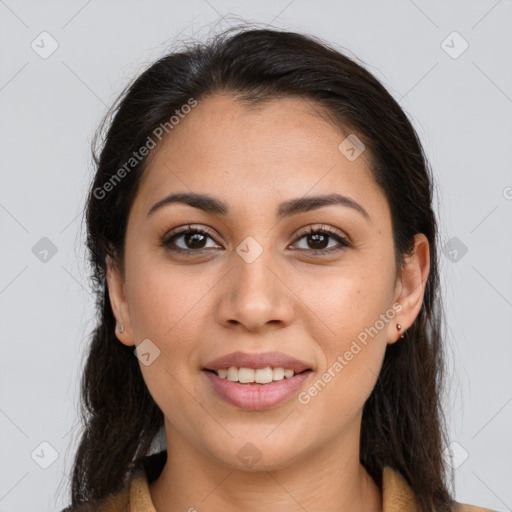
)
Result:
{"points": [[324, 228], [342, 239], [201, 228]]}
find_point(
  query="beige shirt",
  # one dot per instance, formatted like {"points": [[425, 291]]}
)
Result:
{"points": [[135, 497]]}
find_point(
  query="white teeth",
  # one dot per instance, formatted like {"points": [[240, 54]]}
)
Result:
{"points": [[233, 374], [277, 373], [250, 375], [263, 375], [246, 375]]}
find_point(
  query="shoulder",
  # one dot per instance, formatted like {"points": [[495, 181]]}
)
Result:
{"points": [[135, 493], [398, 495], [463, 507], [117, 502]]}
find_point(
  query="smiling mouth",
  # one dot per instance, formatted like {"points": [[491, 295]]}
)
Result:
{"points": [[255, 376]]}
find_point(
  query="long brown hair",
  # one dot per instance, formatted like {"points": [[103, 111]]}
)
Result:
{"points": [[403, 424]]}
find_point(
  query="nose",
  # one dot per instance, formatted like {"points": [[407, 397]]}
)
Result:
{"points": [[255, 293]]}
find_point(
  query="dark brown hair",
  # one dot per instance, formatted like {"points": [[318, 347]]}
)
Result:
{"points": [[403, 424]]}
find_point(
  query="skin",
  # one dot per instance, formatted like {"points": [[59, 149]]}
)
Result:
{"points": [[198, 306]]}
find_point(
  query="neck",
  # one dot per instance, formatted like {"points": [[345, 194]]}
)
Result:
{"points": [[329, 480]]}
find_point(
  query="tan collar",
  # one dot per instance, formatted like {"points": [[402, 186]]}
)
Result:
{"points": [[397, 495]]}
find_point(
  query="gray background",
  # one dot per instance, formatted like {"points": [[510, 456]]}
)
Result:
{"points": [[461, 106]]}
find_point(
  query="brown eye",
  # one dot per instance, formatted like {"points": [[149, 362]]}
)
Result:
{"points": [[318, 240], [193, 240]]}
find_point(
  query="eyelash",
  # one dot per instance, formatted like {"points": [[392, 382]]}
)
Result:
{"points": [[325, 230]]}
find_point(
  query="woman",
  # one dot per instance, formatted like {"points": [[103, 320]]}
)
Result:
{"points": [[263, 241]]}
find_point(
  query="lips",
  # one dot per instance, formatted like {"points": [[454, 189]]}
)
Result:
{"points": [[256, 396], [262, 360]]}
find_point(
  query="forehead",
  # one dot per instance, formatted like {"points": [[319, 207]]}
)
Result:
{"points": [[276, 150]]}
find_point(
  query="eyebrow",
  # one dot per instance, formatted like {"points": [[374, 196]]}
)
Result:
{"points": [[288, 208]]}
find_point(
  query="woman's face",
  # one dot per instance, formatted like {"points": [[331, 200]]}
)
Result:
{"points": [[257, 283]]}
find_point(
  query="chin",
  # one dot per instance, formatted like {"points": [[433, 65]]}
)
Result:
{"points": [[259, 453]]}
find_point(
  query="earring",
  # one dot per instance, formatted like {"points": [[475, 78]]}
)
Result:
{"points": [[399, 328], [120, 327]]}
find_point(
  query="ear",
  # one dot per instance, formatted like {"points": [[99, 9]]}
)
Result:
{"points": [[410, 287], [116, 291]]}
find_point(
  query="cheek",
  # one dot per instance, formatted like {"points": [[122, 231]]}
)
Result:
{"points": [[353, 348], [351, 313], [169, 306], [165, 299], [336, 397], [344, 302], [166, 308]]}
